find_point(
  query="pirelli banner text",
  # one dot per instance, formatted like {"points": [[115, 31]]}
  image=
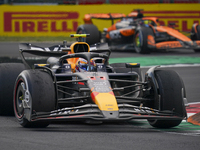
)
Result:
{"points": [[63, 20]]}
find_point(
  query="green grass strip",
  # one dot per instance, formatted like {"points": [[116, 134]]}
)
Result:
{"points": [[159, 60]]}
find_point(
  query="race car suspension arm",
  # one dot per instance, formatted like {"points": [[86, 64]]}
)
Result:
{"points": [[124, 87], [132, 86], [133, 92], [64, 87], [64, 100], [70, 81], [128, 81], [64, 92], [132, 99]]}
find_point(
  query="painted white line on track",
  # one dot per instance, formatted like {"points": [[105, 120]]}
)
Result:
{"points": [[192, 103], [175, 65], [196, 133], [190, 114]]}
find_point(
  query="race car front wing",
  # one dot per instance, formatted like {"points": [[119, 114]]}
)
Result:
{"points": [[178, 45], [91, 112]]}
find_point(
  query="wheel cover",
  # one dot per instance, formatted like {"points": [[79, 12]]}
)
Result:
{"points": [[19, 97], [138, 43]]}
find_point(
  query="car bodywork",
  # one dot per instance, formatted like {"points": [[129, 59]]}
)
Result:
{"points": [[113, 92], [139, 33]]}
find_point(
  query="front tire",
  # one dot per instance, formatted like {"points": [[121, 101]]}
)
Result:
{"points": [[195, 34], [34, 92], [171, 97], [141, 40], [8, 75]]}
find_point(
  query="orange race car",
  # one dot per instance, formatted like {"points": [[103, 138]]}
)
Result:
{"points": [[139, 33]]}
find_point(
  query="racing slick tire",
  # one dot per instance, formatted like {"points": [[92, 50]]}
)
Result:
{"points": [[91, 29], [195, 35], [8, 75], [141, 40], [171, 97], [34, 92]]}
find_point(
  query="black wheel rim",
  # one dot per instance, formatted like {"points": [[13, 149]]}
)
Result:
{"points": [[138, 43], [19, 97]]}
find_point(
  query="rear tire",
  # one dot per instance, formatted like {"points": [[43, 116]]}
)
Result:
{"points": [[8, 75], [37, 89], [171, 97], [91, 29], [141, 40], [195, 35]]}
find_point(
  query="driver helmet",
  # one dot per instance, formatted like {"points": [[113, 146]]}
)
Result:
{"points": [[82, 65], [146, 23]]}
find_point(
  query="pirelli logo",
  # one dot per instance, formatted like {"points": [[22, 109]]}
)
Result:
{"points": [[56, 23], [183, 19], [40, 21]]}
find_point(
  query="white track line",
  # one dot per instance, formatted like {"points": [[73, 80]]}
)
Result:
{"points": [[175, 65]]}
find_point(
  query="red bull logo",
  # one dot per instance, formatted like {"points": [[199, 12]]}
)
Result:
{"points": [[40, 21]]}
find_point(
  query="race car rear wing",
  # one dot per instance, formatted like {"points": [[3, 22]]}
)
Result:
{"points": [[110, 16], [56, 50]]}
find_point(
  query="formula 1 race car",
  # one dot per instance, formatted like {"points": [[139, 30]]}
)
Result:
{"points": [[135, 32], [104, 92]]}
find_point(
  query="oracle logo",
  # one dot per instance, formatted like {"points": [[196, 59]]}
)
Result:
{"points": [[40, 21]]}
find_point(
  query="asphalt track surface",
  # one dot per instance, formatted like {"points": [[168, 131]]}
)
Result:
{"points": [[136, 134]]}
